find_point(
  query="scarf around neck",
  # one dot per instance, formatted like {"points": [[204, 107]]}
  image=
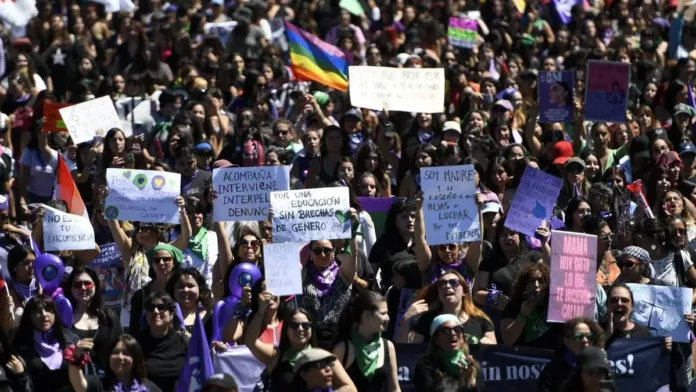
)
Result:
{"points": [[290, 355], [323, 280], [25, 291], [198, 244], [366, 352], [135, 387], [48, 348], [451, 360]]}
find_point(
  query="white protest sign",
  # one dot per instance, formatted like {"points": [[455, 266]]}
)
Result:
{"points": [[418, 90], [85, 119], [282, 268], [18, 12], [63, 231], [311, 214], [221, 29], [142, 196], [449, 204], [243, 193], [662, 310]]}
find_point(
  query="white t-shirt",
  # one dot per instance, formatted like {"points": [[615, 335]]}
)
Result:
{"points": [[38, 83], [665, 272], [205, 267], [42, 175]]}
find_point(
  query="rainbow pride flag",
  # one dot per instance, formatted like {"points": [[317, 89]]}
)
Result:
{"points": [[312, 59]]}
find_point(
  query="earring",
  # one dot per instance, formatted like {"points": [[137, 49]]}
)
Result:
{"points": [[653, 247]]}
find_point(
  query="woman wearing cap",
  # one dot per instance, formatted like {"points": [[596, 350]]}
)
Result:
{"points": [[315, 370], [369, 359], [578, 334], [134, 254], [165, 260], [448, 358], [574, 182], [126, 370], [592, 373], [449, 294]]}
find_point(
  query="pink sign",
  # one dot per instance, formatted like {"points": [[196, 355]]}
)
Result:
{"points": [[573, 276]]}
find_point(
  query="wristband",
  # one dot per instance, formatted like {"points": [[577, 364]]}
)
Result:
{"points": [[79, 361]]}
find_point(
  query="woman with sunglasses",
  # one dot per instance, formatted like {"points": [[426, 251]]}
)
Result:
{"points": [[92, 323], [189, 289], [674, 207], [369, 359], [449, 294], [163, 341], [126, 370], [247, 249], [135, 250], [635, 265], [22, 284], [673, 266], [166, 259], [578, 334], [448, 358], [326, 281], [592, 373], [462, 257], [40, 342], [297, 334]]}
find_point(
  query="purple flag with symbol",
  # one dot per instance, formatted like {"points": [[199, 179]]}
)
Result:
{"points": [[198, 366]]}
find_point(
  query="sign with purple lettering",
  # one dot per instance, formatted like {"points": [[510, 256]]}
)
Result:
{"points": [[555, 97], [606, 93], [462, 32], [449, 204], [534, 201], [573, 276]]}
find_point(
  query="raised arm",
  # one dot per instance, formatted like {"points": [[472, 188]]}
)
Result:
{"points": [[263, 352], [473, 254], [423, 253], [349, 262], [182, 241]]}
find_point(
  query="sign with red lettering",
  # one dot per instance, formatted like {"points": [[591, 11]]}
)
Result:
{"points": [[572, 290]]}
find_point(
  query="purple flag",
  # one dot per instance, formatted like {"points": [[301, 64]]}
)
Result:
{"points": [[692, 102], [198, 366], [563, 9]]}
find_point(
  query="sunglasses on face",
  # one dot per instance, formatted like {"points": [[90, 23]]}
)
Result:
{"points": [[619, 300], [626, 264], [83, 284], [159, 307], [249, 243], [296, 325], [578, 337], [281, 133], [450, 330], [449, 247], [322, 251], [323, 364], [442, 283], [157, 260]]}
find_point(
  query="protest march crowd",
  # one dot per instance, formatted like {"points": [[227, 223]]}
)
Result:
{"points": [[347, 195]]}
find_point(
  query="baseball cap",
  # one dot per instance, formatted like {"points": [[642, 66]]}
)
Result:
{"points": [[452, 126], [593, 358], [683, 109], [687, 148], [402, 58], [223, 380], [504, 103], [203, 147], [575, 161], [354, 113], [490, 207], [311, 355], [562, 151]]}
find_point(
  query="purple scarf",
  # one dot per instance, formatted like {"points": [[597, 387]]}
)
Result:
{"points": [[135, 387], [48, 348], [323, 280]]}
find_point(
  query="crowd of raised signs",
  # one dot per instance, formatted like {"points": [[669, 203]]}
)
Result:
{"points": [[193, 198]]}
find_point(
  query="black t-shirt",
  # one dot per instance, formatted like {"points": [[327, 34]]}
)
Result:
{"points": [[501, 273], [103, 384], [196, 187], [637, 332], [164, 358], [542, 334], [474, 327]]}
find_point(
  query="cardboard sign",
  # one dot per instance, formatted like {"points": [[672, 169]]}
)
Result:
{"points": [[63, 231], [283, 268], [606, 93], [533, 202], [311, 214], [662, 310], [243, 193], [142, 196], [556, 97], [89, 119]]}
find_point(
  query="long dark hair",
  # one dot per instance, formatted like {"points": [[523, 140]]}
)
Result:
{"points": [[171, 306], [107, 155], [139, 370], [25, 337], [345, 146], [96, 304], [570, 210], [258, 288], [366, 301], [204, 293], [15, 256], [390, 232], [284, 344]]}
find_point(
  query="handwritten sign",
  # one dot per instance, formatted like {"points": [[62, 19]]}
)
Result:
{"points": [[449, 205], [662, 310], [86, 119], [283, 268], [63, 231], [311, 214], [112, 277], [142, 196], [419, 90], [534, 201], [556, 96], [243, 194], [462, 33], [573, 276], [221, 29], [606, 93]]}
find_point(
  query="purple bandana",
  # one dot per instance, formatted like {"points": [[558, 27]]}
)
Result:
{"points": [[48, 348], [135, 387], [323, 280]]}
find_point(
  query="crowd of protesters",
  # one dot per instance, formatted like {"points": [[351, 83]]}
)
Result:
{"points": [[234, 101]]}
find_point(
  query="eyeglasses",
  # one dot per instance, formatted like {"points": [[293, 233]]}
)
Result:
{"points": [[159, 307], [249, 243], [450, 330], [297, 325], [454, 283], [280, 133], [449, 247], [322, 251], [156, 260], [323, 364], [83, 284], [619, 300], [578, 337]]}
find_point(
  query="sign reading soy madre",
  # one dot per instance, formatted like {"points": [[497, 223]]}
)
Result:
{"points": [[243, 192], [310, 214], [449, 204]]}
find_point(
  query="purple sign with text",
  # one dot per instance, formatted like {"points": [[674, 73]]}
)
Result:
{"points": [[573, 276], [534, 201], [606, 93], [555, 97]]}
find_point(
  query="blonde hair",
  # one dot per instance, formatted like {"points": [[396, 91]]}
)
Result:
{"points": [[429, 294]]}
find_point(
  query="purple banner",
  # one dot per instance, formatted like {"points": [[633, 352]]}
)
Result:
{"points": [[555, 97], [534, 201], [573, 276], [606, 93]]}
